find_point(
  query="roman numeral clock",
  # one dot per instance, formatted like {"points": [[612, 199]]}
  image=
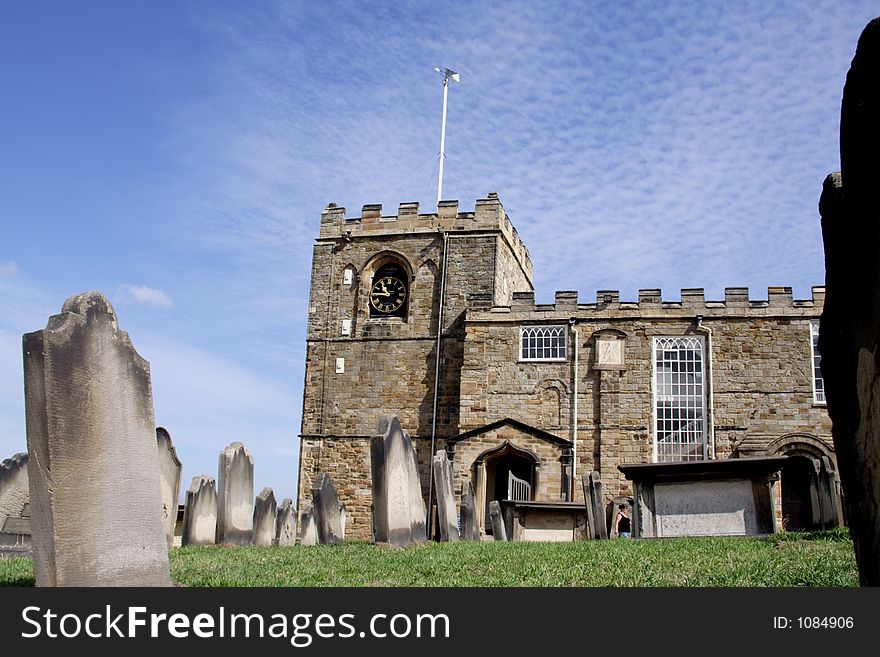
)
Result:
{"points": [[388, 294]]}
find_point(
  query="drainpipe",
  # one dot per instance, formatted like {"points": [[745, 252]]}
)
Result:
{"points": [[710, 393], [574, 407], [437, 379]]}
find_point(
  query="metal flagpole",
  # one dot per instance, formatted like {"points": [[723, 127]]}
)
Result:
{"points": [[447, 75]]}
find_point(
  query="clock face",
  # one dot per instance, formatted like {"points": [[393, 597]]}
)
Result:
{"points": [[387, 295]]}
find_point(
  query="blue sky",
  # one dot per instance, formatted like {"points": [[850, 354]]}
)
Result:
{"points": [[177, 155]]}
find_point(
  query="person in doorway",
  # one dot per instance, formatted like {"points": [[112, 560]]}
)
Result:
{"points": [[622, 522]]}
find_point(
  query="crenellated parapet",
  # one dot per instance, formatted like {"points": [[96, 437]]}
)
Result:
{"points": [[488, 215], [692, 302]]}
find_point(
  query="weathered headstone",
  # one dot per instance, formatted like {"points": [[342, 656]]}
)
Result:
{"points": [[343, 516], [590, 506], [235, 496], [599, 517], [308, 527], [169, 481], [470, 524], [13, 486], [325, 510], [265, 508], [398, 506], [200, 512], [96, 508], [446, 515], [499, 531], [849, 335], [285, 523]]}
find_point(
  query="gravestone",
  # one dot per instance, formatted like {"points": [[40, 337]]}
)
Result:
{"points": [[96, 507], [446, 515], [169, 481], [590, 506], [285, 523], [600, 529], [309, 527], [849, 335], [265, 509], [13, 486], [499, 531], [470, 525], [326, 511], [343, 516], [398, 506], [235, 496], [200, 512]]}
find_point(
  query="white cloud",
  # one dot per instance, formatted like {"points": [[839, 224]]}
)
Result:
{"points": [[149, 296]]}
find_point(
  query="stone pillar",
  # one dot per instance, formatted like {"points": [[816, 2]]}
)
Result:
{"points": [[200, 512], [446, 516], [93, 466], [470, 528], [326, 511], [235, 496], [169, 481], [265, 508], [285, 524]]}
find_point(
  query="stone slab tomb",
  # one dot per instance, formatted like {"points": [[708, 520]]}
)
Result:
{"points": [[235, 496], [447, 518], [96, 505], [285, 523], [326, 511], [398, 505], [265, 509], [170, 471], [470, 522], [200, 512]]}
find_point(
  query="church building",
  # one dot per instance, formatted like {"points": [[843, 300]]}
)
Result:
{"points": [[530, 396]]}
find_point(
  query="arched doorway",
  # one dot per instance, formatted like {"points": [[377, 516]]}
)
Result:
{"points": [[798, 503], [492, 471]]}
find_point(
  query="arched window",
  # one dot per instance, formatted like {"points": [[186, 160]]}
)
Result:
{"points": [[679, 400], [389, 291]]}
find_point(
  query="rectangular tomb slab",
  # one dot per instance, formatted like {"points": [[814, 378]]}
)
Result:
{"points": [[96, 507], [704, 498]]}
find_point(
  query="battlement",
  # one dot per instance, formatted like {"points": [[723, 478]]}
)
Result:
{"points": [[736, 301], [488, 215]]}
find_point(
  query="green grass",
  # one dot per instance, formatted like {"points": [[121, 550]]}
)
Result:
{"points": [[822, 559]]}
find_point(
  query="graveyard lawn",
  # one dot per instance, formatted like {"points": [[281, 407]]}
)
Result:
{"points": [[823, 559]]}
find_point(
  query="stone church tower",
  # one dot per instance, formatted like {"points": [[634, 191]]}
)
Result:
{"points": [[374, 311]]}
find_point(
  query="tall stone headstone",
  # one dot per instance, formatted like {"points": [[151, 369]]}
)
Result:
{"points": [[598, 496], [200, 512], [849, 335], [325, 509], [235, 496], [343, 516], [96, 507], [446, 515], [309, 527], [470, 523], [285, 523], [265, 509], [169, 481], [499, 531], [13, 486], [398, 505], [590, 506]]}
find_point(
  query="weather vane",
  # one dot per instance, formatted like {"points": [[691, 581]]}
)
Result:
{"points": [[447, 76]]}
